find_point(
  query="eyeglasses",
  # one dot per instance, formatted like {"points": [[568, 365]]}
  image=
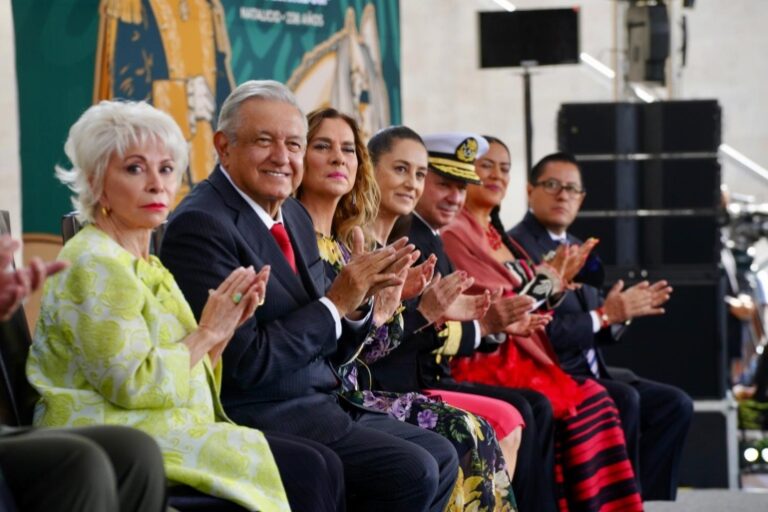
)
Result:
{"points": [[553, 187]]}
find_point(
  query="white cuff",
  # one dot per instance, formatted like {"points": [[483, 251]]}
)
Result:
{"points": [[334, 313], [357, 324], [477, 333], [596, 322]]}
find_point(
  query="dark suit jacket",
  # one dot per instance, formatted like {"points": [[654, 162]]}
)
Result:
{"points": [[414, 364], [570, 330], [276, 374]]}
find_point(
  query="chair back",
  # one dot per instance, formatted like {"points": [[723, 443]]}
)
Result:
{"points": [[18, 397], [70, 226]]}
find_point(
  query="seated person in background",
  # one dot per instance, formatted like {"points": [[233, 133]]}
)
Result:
{"points": [[340, 192], [278, 372], [91, 469], [654, 416], [593, 470], [117, 343], [423, 360]]}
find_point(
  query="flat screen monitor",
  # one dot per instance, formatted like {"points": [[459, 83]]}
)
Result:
{"points": [[545, 36]]}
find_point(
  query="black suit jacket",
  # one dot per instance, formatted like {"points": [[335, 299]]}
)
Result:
{"points": [[276, 373], [571, 330], [419, 362]]}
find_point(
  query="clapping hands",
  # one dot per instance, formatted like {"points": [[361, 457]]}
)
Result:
{"points": [[228, 307], [370, 271], [642, 299], [419, 277], [569, 258], [16, 285], [444, 299], [504, 311]]}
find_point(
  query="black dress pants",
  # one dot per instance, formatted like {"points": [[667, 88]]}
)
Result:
{"points": [[312, 474], [391, 466], [86, 469], [534, 479], [655, 418]]}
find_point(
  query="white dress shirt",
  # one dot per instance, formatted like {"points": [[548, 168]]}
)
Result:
{"points": [[278, 219]]}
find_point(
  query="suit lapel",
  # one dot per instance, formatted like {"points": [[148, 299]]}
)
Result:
{"points": [[421, 235], [303, 251], [544, 242], [258, 238]]}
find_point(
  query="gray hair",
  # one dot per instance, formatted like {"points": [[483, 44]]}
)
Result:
{"points": [[268, 90], [109, 128]]}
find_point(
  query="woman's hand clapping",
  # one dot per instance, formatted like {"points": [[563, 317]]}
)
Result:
{"points": [[418, 278], [227, 308]]}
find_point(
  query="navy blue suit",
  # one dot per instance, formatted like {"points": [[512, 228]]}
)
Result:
{"points": [[277, 373], [655, 417]]}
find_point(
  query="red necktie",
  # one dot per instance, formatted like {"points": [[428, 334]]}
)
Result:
{"points": [[283, 240]]}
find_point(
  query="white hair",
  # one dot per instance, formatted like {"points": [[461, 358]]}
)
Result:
{"points": [[268, 90], [111, 128]]}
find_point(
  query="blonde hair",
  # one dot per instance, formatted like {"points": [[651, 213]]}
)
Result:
{"points": [[109, 128], [360, 205]]}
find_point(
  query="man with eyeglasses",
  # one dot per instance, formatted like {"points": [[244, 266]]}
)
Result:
{"points": [[655, 417]]}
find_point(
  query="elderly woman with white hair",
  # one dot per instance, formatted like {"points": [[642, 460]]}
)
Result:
{"points": [[117, 343]]}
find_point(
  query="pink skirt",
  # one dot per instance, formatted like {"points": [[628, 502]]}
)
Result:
{"points": [[502, 416]]}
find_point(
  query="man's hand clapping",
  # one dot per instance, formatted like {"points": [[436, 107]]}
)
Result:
{"points": [[642, 299], [569, 259], [504, 311]]}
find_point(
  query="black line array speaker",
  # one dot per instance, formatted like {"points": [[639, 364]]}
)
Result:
{"points": [[686, 346], [708, 462], [623, 128], [664, 242], [653, 191], [653, 184]]}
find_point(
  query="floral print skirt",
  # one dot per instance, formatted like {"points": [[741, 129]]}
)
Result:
{"points": [[483, 483]]}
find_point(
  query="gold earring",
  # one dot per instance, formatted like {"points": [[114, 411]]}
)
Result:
{"points": [[104, 211]]}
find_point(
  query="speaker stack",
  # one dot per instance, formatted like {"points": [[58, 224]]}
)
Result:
{"points": [[653, 199]]}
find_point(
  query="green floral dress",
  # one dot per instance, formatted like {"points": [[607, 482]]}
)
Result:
{"points": [[483, 483], [108, 351]]}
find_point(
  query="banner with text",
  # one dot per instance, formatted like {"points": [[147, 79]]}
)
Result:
{"points": [[185, 57]]}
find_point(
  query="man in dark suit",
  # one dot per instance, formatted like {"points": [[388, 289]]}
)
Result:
{"points": [[655, 417], [276, 370], [422, 361]]}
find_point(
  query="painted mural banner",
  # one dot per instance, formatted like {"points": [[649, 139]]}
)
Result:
{"points": [[185, 57]]}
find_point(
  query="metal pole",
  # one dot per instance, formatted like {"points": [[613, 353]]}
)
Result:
{"points": [[528, 119], [674, 64], [621, 90]]}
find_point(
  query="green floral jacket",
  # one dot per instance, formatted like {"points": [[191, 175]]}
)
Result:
{"points": [[107, 350]]}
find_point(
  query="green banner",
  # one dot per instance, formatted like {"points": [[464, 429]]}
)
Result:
{"points": [[185, 56]]}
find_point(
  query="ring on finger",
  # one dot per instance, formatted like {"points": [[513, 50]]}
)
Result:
{"points": [[237, 297]]}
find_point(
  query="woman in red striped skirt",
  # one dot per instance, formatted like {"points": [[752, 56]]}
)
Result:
{"points": [[593, 471]]}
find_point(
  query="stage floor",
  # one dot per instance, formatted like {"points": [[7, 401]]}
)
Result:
{"points": [[714, 500]]}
